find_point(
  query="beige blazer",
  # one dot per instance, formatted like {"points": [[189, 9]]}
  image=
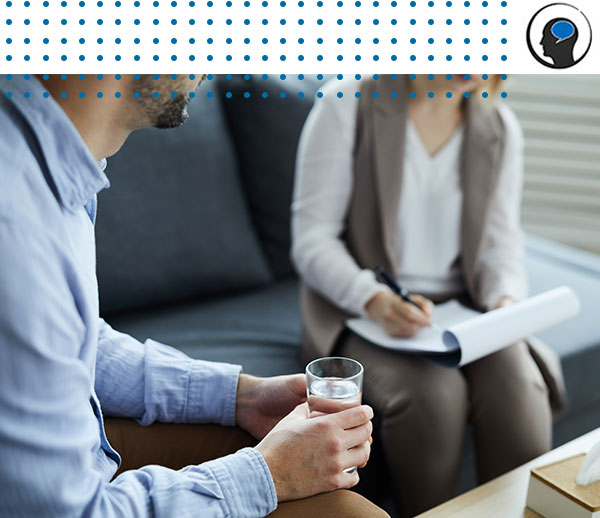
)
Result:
{"points": [[371, 219]]}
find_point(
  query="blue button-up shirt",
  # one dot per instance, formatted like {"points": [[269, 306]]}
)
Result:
{"points": [[61, 366]]}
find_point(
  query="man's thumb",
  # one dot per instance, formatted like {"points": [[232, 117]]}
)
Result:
{"points": [[300, 412]]}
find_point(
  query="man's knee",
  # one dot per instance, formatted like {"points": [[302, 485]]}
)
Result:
{"points": [[341, 503]]}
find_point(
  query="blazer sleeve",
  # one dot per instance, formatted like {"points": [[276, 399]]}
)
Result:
{"points": [[500, 269], [322, 191]]}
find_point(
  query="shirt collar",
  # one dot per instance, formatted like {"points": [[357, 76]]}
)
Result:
{"points": [[77, 175]]}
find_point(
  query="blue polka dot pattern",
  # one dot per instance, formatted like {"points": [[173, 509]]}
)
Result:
{"points": [[130, 35]]}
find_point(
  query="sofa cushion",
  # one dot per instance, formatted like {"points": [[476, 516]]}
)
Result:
{"points": [[577, 341], [259, 330], [175, 224], [266, 133]]}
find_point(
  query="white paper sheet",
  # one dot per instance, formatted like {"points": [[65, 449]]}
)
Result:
{"points": [[427, 340], [490, 332], [465, 335]]}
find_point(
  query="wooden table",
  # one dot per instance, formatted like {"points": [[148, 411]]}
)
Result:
{"points": [[505, 496]]}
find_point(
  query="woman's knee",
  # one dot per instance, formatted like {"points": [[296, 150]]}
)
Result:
{"points": [[406, 390], [508, 393], [510, 382], [433, 397]]}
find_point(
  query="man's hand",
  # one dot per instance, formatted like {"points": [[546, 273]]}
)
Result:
{"points": [[308, 456], [399, 318], [262, 402]]}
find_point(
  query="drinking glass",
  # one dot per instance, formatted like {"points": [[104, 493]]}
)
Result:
{"points": [[333, 384]]}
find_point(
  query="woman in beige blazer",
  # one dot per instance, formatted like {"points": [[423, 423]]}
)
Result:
{"points": [[422, 175]]}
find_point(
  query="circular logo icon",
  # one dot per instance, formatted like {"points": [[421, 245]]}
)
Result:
{"points": [[559, 35]]}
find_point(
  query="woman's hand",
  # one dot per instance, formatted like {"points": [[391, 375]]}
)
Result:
{"points": [[504, 301], [399, 318]]}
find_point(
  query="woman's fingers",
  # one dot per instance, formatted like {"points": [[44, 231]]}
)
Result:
{"points": [[412, 314], [424, 303], [400, 318], [400, 328]]}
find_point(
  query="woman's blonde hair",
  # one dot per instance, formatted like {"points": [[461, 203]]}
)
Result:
{"points": [[493, 85]]}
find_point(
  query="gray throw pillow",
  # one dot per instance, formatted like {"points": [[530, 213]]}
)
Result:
{"points": [[175, 225], [266, 132]]}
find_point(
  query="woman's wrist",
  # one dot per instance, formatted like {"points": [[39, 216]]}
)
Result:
{"points": [[376, 304]]}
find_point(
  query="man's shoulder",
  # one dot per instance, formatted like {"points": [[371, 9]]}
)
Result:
{"points": [[14, 150], [25, 189]]}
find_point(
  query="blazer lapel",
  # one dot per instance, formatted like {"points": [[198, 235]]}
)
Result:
{"points": [[389, 122], [480, 163], [482, 147]]}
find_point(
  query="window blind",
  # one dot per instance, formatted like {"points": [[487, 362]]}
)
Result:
{"points": [[560, 116]]}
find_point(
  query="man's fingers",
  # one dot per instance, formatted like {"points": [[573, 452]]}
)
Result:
{"points": [[347, 480], [353, 417], [358, 435], [300, 412], [369, 455], [358, 456], [324, 405]]}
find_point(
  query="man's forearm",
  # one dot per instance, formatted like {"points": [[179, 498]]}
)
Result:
{"points": [[154, 382]]}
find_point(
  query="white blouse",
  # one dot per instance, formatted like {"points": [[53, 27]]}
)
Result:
{"points": [[427, 238], [426, 251]]}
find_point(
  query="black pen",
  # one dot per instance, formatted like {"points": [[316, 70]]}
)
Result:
{"points": [[397, 289]]}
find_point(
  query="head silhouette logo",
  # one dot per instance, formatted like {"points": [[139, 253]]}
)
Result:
{"points": [[559, 35]]}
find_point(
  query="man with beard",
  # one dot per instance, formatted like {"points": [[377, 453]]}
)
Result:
{"points": [[62, 367]]}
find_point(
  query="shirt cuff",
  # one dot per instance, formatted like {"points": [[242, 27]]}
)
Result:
{"points": [[246, 483], [212, 392], [493, 297], [364, 288]]}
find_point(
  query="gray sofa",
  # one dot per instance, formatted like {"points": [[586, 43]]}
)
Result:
{"points": [[193, 247]]}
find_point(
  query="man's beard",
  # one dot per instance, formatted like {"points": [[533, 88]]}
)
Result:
{"points": [[170, 115], [166, 111]]}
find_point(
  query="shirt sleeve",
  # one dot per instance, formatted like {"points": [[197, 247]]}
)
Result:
{"points": [[153, 382], [48, 432], [322, 191], [501, 271]]}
